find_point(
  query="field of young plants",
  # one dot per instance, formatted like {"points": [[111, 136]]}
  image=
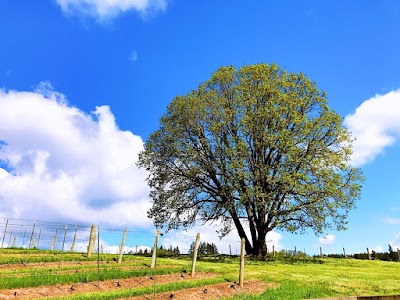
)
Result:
{"points": [[29, 274]]}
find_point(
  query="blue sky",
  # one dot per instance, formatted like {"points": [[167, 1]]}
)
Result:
{"points": [[84, 83]]}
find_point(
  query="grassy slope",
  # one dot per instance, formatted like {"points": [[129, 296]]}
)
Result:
{"points": [[333, 277]]}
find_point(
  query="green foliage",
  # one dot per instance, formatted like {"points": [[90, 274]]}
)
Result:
{"points": [[255, 144]]}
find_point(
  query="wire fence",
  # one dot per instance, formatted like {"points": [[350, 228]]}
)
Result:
{"points": [[35, 234], [41, 253], [44, 235]]}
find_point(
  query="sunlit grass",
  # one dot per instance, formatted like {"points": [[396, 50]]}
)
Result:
{"points": [[330, 278]]}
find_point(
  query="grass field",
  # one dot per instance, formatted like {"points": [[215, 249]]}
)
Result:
{"points": [[292, 279]]}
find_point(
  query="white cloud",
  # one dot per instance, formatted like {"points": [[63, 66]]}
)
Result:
{"points": [[104, 10], [377, 248], [387, 220], [60, 163], [375, 125], [327, 240], [396, 243], [114, 249], [133, 56]]}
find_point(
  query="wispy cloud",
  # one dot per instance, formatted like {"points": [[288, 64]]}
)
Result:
{"points": [[327, 240], [375, 125], [104, 10], [133, 56], [391, 220], [60, 163]]}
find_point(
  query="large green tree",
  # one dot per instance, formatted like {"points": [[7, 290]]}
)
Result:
{"points": [[254, 147]]}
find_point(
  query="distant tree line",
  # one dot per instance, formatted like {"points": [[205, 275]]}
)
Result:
{"points": [[204, 249], [171, 251], [390, 255]]}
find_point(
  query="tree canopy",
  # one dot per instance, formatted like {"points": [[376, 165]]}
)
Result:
{"points": [[255, 147]]}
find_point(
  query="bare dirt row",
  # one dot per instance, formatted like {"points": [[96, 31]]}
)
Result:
{"points": [[61, 290], [210, 292]]}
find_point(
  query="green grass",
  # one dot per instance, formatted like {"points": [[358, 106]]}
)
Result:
{"points": [[326, 278], [290, 290], [60, 268], [11, 256]]}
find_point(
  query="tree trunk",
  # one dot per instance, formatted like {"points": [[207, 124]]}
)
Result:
{"points": [[259, 246], [261, 243], [252, 228], [241, 232]]}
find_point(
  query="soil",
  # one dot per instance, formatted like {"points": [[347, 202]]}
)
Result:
{"points": [[61, 290], [216, 291], [209, 292]]}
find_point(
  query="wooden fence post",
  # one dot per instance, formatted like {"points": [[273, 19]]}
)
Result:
{"points": [[23, 239], [121, 249], [295, 251], [73, 241], [92, 238], [369, 254], [241, 270], [154, 256], [344, 253], [273, 250], [4, 234], [196, 248], [33, 231], [98, 256], [65, 235], [40, 233], [398, 254], [320, 252], [54, 240], [9, 241]]}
